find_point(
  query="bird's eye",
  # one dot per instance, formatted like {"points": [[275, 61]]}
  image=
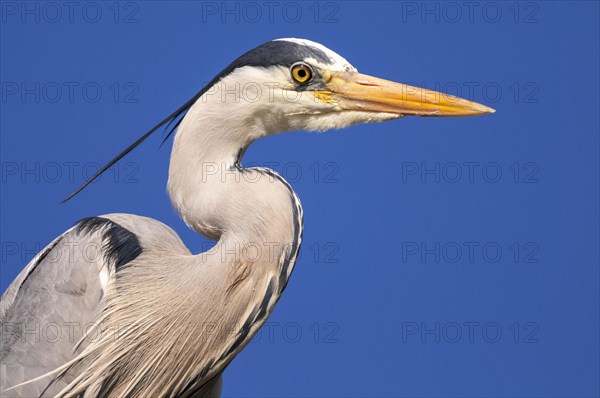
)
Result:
{"points": [[301, 72]]}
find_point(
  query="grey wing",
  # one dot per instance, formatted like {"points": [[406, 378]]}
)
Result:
{"points": [[55, 300]]}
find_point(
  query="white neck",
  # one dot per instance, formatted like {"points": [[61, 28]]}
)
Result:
{"points": [[210, 190]]}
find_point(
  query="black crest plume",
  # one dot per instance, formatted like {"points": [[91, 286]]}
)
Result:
{"points": [[176, 117]]}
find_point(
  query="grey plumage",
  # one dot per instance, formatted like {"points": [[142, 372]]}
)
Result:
{"points": [[46, 309], [73, 299]]}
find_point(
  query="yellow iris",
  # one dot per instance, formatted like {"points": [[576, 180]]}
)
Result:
{"points": [[301, 73]]}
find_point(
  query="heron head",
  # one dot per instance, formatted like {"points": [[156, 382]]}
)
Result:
{"points": [[295, 84]]}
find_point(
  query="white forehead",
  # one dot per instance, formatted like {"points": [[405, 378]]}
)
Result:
{"points": [[338, 62]]}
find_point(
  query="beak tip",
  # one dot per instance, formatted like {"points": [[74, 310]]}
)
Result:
{"points": [[484, 110]]}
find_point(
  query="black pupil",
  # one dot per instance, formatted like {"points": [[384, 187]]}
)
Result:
{"points": [[302, 73]]}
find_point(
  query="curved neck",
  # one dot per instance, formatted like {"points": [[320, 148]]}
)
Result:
{"points": [[213, 194]]}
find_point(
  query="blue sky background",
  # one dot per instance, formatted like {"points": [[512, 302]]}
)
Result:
{"points": [[387, 299]]}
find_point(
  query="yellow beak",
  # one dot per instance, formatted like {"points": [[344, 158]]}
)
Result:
{"points": [[355, 91]]}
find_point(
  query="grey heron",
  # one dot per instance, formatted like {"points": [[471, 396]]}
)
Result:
{"points": [[166, 322]]}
